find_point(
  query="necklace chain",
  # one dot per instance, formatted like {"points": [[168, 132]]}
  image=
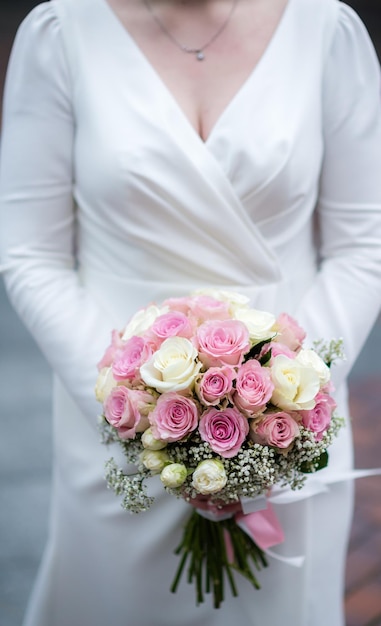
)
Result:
{"points": [[198, 52]]}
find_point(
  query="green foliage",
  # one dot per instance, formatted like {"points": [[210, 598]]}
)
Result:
{"points": [[309, 467]]}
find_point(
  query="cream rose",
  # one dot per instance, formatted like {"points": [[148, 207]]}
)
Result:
{"points": [[143, 320], [150, 442], [310, 358], [209, 477], [154, 460], [173, 475], [295, 385], [259, 323], [105, 383], [173, 367]]}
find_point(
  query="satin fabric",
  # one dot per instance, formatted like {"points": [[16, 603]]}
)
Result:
{"points": [[110, 200]]}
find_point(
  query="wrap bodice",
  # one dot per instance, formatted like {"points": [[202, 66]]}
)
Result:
{"points": [[158, 205], [126, 204]]}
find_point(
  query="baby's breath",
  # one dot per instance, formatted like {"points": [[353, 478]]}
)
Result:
{"points": [[330, 351], [107, 432], [253, 471], [130, 486]]}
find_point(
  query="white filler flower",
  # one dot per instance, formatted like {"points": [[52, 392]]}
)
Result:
{"points": [[173, 475], [150, 443], [154, 460], [209, 477]]}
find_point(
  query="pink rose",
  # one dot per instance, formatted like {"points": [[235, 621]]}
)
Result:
{"points": [[222, 342], [318, 419], [126, 410], [276, 349], [216, 383], [275, 429], [111, 351], [130, 357], [171, 324], [208, 308], [174, 417], [254, 387], [289, 332], [178, 304], [225, 430], [329, 387]]}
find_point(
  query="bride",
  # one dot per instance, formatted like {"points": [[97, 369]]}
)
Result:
{"points": [[151, 147]]}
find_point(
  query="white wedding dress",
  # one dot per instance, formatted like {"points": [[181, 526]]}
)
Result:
{"points": [[282, 202]]}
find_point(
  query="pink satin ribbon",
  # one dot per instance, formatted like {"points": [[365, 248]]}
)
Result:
{"points": [[262, 526]]}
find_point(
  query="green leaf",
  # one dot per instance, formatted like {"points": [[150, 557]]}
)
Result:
{"points": [[255, 350], [266, 358], [314, 466]]}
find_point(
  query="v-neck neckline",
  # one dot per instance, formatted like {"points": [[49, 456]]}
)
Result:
{"points": [[271, 44]]}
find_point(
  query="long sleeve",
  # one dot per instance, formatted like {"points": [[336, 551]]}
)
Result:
{"points": [[37, 217], [345, 299]]}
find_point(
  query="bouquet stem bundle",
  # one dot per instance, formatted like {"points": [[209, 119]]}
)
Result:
{"points": [[213, 551]]}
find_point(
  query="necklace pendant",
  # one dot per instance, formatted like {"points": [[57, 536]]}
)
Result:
{"points": [[200, 56]]}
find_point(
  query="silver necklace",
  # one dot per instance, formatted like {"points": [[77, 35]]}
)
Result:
{"points": [[198, 52]]}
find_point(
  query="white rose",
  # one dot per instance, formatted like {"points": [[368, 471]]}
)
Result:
{"points": [[173, 367], [259, 323], [173, 475], [105, 383], [209, 477], [142, 321], [154, 460], [150, 443], [310, 358], [295, 384]]}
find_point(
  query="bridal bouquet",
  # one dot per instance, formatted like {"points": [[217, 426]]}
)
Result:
{"points": [[222, 402]]}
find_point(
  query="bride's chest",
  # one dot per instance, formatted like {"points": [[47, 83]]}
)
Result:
{"points": [[202, 73], [135, 142]]}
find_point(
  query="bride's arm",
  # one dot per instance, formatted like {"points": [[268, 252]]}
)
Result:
{"points": [[345, 299], [37, 219]]}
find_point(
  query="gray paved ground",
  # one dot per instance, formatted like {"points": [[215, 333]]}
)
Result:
{"points": [[25, 455]]}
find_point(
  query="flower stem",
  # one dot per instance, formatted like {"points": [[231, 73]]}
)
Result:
{"points": [[204, 547]]}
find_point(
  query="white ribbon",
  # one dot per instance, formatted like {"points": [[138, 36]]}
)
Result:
{"points": [[313, 487], [214, 517]]}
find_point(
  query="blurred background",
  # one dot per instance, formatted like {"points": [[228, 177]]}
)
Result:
{"points": [[25, 443]]}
